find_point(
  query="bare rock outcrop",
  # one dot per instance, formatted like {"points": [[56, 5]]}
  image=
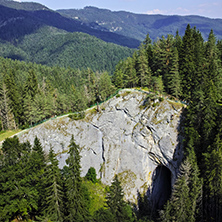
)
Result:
{"points": [[131, 136]]}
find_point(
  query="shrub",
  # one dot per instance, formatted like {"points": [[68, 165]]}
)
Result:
{"points": [[77, 116], [91, 175]]}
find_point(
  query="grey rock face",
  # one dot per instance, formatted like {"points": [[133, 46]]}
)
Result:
{"points": [[130, 137]]}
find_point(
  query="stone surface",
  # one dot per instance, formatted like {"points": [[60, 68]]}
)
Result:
{"points": [[131, 136]]}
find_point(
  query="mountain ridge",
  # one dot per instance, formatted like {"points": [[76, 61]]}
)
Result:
{"points": [[138, 25], [31, 20]]}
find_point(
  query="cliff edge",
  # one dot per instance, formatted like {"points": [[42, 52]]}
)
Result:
{"points": [[134, 135]]}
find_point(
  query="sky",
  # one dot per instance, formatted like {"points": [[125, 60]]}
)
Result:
{"points": [[207, 8]]}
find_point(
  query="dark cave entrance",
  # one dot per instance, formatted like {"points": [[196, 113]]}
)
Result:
{"points": [[161, 187]]}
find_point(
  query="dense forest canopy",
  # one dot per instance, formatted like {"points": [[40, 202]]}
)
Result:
{"points": [[31, 93], [188, 68], [54, 47], [138, 25]]}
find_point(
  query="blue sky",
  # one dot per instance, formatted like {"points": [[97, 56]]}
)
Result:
{"points": [[212, 9]]}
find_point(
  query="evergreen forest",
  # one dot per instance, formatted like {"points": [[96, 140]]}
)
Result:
{"points": [[187, 68]]}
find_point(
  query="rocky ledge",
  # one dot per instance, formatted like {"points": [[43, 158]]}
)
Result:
{"points": [[132, 135]]}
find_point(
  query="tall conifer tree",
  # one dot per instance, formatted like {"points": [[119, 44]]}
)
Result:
{"points": [[54, 190], [116, 204], [77, 209], [187, 67], [183, 205], [144, 71]]}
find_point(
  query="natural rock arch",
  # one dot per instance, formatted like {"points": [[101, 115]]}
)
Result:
{"points": [[161, 186]]}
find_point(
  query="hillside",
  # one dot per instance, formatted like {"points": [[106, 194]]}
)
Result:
{"points": [[51, 46], [33, 33], [28, 6], [138, 25], [15, 24]]}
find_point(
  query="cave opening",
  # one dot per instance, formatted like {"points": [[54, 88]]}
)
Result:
{"points": [[161, 187]]}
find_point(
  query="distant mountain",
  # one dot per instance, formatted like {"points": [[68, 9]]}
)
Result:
{"points": [[28, 6], [55, 47], [138, 25], [15, 24], [32, 32]]}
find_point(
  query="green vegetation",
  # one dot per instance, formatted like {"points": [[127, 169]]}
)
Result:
{"points": [[137, 26], [190, 70], [32, 93], [77, 206], [187, 68], [97, 194], [33, 188], [8, 133], [77, 116], [75, 50], [91, 175], [29, 6]]}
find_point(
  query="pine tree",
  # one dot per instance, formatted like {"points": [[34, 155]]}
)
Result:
{"points": [[54, 190], [186, 62], [31, 85], [178, 208], [14, 96], [18, 196], [7, 117], [178, 42], [144, 71], [212, 209], [77, 209], [183, 205], [116, 204], [219, 47], [118, 78], [105, 86], [198, 58], [91, 86], [29, 110], [36, 168], [144, 207], [78, 99], [159, 57], [91, 175], [130, 71], [157, 84], [173, 77], [149, 51]]}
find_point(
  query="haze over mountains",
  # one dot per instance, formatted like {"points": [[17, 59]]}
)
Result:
{"points": [[32, 32], [138, 25]]}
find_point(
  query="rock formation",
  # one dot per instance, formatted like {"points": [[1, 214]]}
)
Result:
{"points": [[133, 134]]}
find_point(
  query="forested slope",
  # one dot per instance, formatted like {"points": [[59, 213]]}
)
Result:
{"points": [[187, 68], [18, 23], [51, 46], [36, 34], [31, 93], [138, 25], [190, 69], [29, 6]]}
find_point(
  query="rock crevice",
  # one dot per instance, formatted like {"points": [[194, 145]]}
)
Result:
{"points": [[125, 138]]}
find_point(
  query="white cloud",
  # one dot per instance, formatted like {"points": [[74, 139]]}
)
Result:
{"points": [[212, 9], [181, 11], [156, 11], [17, 0]]}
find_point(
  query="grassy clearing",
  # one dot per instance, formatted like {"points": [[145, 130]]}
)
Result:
{"points": [[8, 133]]}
